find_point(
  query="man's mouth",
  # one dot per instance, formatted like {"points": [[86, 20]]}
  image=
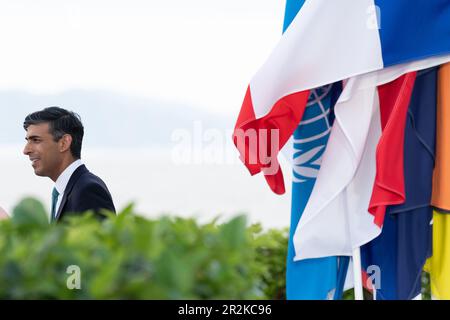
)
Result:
{"points": [[34, 161]]}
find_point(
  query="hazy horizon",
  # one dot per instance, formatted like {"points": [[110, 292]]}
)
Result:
{"points": [[145, 122]]}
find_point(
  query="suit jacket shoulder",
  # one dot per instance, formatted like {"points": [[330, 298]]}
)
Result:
{"points": [[85, 191]]}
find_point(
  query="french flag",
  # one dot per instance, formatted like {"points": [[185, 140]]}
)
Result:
{"points": [[361, 37]]}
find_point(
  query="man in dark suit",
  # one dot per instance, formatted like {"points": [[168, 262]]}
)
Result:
{"points": [[54, 139]]}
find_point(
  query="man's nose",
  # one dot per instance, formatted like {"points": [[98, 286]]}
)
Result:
{"points": [[26, 149]]}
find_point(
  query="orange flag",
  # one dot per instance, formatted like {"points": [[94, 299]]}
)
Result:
{"points": [[439, 264], [441, 179]]}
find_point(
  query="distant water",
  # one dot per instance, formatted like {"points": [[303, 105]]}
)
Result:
{"points": [[158, 185]]}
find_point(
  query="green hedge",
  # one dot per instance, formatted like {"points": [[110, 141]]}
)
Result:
{"points": [[131, 257]]}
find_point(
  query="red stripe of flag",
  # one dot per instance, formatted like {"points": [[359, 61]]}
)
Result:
{"points": [[389, 185], [253, 137]]}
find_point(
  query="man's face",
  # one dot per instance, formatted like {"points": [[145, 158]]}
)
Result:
{"points": [[43, 151]]}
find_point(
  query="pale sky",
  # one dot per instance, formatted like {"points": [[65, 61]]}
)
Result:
{"points": [[199, 52]]}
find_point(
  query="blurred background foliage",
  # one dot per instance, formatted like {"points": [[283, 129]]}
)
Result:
{"points": [[131, 257]]}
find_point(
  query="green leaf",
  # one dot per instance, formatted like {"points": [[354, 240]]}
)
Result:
{"points": [[30, 213]]}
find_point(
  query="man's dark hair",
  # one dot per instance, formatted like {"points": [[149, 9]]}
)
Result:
{"points": [[60, 122]]}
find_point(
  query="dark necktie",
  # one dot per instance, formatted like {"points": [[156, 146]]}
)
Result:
{"points": [[55, 195]]}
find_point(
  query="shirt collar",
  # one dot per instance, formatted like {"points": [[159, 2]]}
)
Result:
{"points": [[63, 179]]}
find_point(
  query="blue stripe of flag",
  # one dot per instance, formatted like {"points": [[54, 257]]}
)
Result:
{"points": [[413, 30]]}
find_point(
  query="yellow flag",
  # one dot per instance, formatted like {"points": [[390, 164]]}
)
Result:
{"points": [[439, 264]]}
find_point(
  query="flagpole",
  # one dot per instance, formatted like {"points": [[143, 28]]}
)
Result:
{"points": [[357, 274]]}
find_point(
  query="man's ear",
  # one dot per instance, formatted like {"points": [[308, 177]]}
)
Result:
{"points": [[65, 142]]}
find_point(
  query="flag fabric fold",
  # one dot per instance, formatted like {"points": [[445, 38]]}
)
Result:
{"points": [[439, 264], [441, 180], [316, 278], [313, 278], [336, 219], [389, 187], [405, 242], [378, 34]]}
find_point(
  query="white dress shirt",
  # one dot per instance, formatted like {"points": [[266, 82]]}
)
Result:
{"points": [[63, 180]]}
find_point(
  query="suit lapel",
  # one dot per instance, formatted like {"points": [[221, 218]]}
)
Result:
{"points": [[73, 179]]}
